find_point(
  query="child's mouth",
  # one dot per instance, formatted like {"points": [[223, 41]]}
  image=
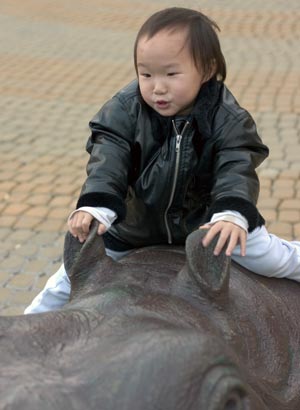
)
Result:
{"points": [[162, 103]]}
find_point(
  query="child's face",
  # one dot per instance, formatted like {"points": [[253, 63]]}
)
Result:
{"points": [[168, 78]]}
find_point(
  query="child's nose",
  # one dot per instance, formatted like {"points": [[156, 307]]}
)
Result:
{"points": [[159, 87]]}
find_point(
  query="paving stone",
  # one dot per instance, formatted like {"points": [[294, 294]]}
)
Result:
{"points": [[282, 229], [15, 209], [53, 253], [278, 164], [5, 294], [290, 173], [268, 203], [25, 187], [295, 165], [35, 266], [11, 311], [281, 193], [8, 244], [297, 231], [4, 232], [269, 173], [21, 235], [21, 281], [23, 177], [265, 192], [289, 215], [60, 213], [37, 211], [270, 215], [7, 175], [21, 297], [38, 199], [12, 263], [51, 225], [290, 204], [66, 188], [7, 186], [28, 222], [45, 238], [15, 197], [5, 273], [281, 183], [265, 182], [59, 201], [27, 250], [40, 283]]}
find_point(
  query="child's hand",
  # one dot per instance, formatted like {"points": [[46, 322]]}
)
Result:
{"points": [[79, 225], [228, 232]]}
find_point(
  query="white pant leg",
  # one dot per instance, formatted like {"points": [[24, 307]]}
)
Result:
{"points": [[57, 290], [54, 295], [269, 255]]}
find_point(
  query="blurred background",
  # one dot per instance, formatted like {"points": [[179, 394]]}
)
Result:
{"points": [[60, 60]]}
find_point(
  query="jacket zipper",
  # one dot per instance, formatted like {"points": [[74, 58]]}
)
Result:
{"points": [[177, 151]]}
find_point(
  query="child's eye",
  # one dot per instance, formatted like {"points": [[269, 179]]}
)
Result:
{"points": [[145, 75], [172, 74]]}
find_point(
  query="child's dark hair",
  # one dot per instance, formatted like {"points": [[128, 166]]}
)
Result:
{"points": [[202, 38]]}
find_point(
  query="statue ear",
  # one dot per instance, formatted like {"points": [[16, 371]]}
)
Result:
{"points": [[210, 272], [80, 258]]}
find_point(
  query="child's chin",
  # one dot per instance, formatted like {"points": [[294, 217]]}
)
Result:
{"points": [[166, 112]]}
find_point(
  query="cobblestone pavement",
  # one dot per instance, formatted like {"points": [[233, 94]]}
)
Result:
{"points": [[61, 59]]}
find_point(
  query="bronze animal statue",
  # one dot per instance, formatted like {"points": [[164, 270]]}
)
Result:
{"points": [[162, 329]]}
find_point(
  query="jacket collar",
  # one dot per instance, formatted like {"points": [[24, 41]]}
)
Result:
{"points": [[201, 114], [206, 101]]}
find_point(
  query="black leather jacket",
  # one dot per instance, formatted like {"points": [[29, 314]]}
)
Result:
{"points": [[162, 182]]}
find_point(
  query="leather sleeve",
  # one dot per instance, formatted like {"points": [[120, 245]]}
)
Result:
{"points": [[109, 147], [238, 151]]}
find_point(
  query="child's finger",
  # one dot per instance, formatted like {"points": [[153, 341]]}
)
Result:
{"points": [[86, 222], [243, 241], [233, 241], [221, 243], [101, 229], [206, 226], [212, 232]]}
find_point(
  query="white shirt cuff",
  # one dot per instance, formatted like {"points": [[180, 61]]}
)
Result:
{"points": [[231, 216]]}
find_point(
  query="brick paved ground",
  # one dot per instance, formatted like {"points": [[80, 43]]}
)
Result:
{"points": [[61, 59]]}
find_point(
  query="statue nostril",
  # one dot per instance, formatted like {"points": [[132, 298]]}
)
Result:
{"points": [[230, 405], [223, 389], [235, 402]]}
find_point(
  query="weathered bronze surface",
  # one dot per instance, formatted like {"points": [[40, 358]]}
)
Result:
{"points": [[152, 332]]}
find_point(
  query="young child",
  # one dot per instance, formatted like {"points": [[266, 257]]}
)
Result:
{"points": [[171, 152]]}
